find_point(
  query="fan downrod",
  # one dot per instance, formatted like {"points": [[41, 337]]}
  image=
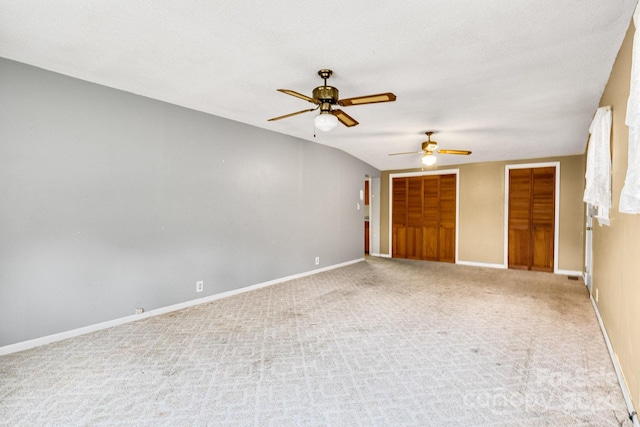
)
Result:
{"points": [[328, 95]]}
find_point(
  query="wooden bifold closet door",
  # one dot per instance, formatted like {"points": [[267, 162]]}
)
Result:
{"points": [[424, 217], [532, 218]]}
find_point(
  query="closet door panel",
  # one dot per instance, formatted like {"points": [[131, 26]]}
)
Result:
{"points": [[543, 218], [399, 242], [542, 259], [519, 246], [431, 218], [519, 218], [447, 252], [414, 218], [430, 239], [399, 218]]}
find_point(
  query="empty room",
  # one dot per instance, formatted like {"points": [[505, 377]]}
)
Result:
{"points": [[320, 213]]}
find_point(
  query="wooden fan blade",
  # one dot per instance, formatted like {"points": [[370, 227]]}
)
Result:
{"points": [[463, 152], [410, 152], [299, 95], [344, 118], [292, 114], [367, 99]]}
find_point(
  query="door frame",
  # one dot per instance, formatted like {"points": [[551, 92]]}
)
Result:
{"points": [[455, 172], [374, 216], [556, 225], [367, 179]]}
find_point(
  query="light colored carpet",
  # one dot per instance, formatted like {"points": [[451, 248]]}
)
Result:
{"points": [[378, 343]]}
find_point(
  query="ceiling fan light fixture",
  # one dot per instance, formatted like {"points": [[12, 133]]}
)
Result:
{"points": [[429, 159], [327, 96], [325, 121]]}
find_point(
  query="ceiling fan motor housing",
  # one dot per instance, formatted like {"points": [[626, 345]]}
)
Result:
{"points": [[326, 94], [429, 146]]}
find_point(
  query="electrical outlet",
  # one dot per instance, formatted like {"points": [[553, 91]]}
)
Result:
{"points": [[200, 286], [317, 260], [139, 310]]}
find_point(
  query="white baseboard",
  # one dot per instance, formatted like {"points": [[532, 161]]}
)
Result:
{"points": [[623, 385], [481, 264], [569, 273], [37, 342], [500, 266]]}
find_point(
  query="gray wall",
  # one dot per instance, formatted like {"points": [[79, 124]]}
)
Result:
{"points": [[111, 201]]}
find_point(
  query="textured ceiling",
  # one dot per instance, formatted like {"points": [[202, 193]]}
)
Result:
{"points": [[507, 79]]}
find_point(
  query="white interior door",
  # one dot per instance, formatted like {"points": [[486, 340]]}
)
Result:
{"points": [[588, 243]]}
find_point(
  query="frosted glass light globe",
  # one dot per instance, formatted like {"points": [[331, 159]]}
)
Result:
{"points": [[429, 160], [325, 121]]}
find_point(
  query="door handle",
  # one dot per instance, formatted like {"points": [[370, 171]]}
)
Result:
{"points": [[589, 228]]}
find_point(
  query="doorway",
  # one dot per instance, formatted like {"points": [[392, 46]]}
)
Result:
{"points": [[532, 217]]}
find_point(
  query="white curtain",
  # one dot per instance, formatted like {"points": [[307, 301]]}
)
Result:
{"points": [[630, 196], [598, 177]]}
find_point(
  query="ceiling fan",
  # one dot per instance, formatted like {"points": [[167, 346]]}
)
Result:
{"points": [[429, 149], [325, 97]]}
